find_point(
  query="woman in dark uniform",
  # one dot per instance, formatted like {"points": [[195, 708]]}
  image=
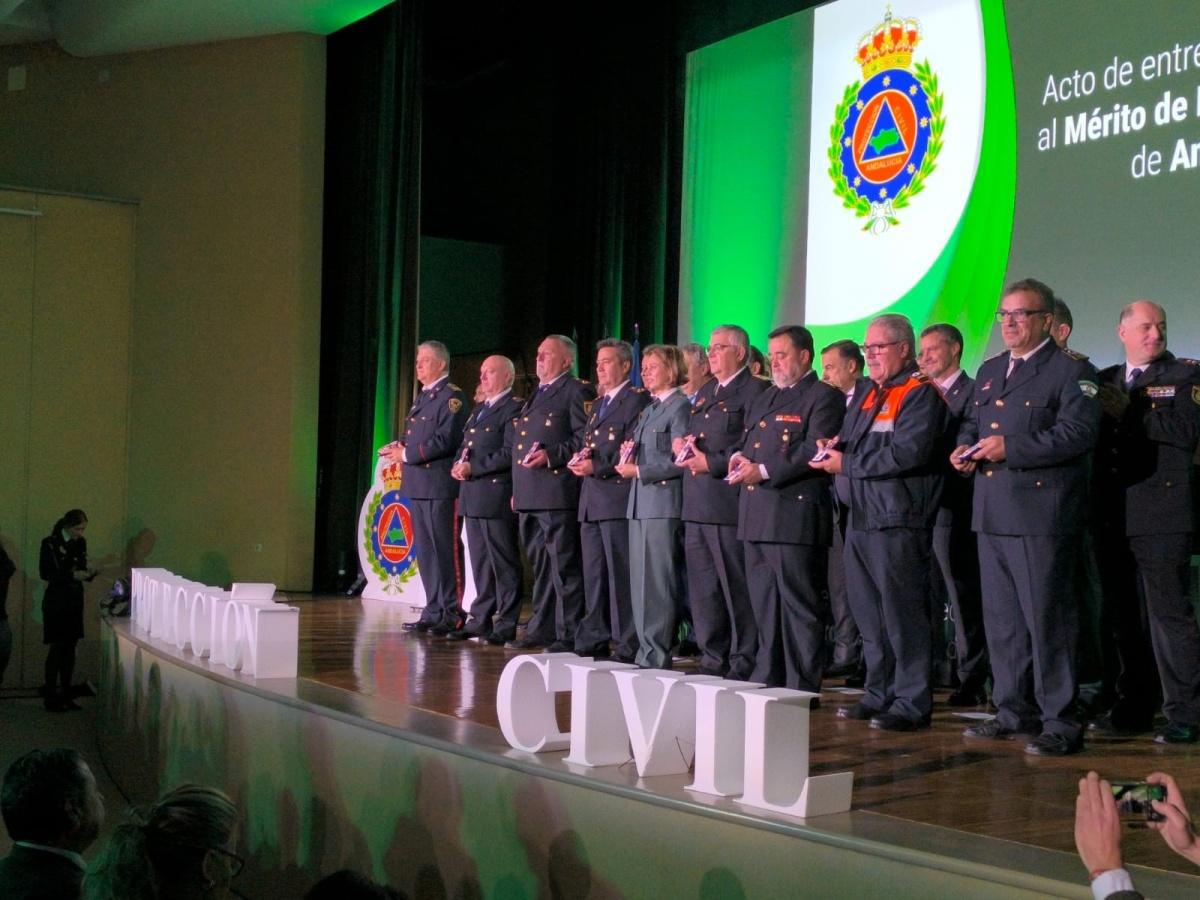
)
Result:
{"points": [[63, 566]]}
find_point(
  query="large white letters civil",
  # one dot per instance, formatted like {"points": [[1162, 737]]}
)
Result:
{"points": [[243, 629], [747, 741]]}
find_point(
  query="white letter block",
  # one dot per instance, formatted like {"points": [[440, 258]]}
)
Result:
{"points": [[275, 641], [598, 734], [776, 772], [720, 736], [660, 714], [525, 701]]}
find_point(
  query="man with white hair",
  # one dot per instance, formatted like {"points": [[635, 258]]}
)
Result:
{"points": [[549, 430]]}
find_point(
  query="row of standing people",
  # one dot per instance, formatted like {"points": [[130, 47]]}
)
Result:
{"points": [[739, 491]]}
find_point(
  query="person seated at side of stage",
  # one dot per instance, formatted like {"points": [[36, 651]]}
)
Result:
{"points": [[53, 812], [1098, 833], [180, 847]]}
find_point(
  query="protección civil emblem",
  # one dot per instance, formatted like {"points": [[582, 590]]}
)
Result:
{"points": [[887, 131], [388, 533]]}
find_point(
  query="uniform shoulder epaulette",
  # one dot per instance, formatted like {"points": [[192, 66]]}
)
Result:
{"points": [[1074, 354], [516, 399], [454, 387], [921, 377], [583, 381], [638, 390], [1187, 361]]}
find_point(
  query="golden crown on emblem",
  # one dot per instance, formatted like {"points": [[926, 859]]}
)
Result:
{"points": [[889, 45]]}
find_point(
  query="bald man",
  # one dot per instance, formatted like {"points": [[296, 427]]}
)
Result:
{"points": [[1149, 429], [484, 472]]}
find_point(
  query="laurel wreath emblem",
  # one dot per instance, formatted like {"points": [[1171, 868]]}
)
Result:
{"points": [[937, 125], [391, 583]]}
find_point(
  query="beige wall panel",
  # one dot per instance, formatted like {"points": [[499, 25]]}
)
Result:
{"points": [[222, 145], [79, 395], [17, 243]]}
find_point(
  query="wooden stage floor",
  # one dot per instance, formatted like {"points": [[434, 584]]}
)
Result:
{"points": [[935, 777]]}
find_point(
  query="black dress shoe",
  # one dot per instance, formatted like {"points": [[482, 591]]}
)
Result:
{"points": [[460, 634], [525, 643], [497, 640], [857, 680], [687, 648], [842, 669], [1118, 721], [890, 721], [967, 696], [419, 625], [442, 630], [858, 711], [993, 730], [1177, 733], [561, 647], [623, 658], [1047, 744], [598, 651]]}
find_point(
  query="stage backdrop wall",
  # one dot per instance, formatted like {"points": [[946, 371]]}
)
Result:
{"points": [[66, 276], [221, 145]]}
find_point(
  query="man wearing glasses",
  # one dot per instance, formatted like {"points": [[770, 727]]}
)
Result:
{"points": [[722, 616], [1026, 438], [890, 450]]}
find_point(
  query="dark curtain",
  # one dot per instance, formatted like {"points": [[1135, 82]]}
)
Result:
{"points": [[369, 265], [614, 124]]}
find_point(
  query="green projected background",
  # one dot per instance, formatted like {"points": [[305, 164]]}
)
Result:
{"points": [[1083, 214], [746, 137]]}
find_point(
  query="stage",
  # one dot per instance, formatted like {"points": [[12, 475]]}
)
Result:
{"points": [[932, 814]]}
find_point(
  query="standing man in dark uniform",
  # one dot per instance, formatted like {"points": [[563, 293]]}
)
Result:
{"points": [[603, 498], [546, 495], [1144, 466], [432, 435], [1034, 420], [954, 545], [890, 450], [842, 365], [785, 512], [484, 472], [722, 615]]}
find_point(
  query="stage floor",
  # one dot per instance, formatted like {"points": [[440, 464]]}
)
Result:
{"points": [[935, 777]]}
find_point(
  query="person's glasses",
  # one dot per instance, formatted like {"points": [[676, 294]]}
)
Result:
{"points": [[1020, 315], [873, 349], [719, 348]]}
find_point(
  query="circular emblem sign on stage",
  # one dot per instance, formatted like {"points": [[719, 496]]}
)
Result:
{"points": [[385, 547], [887, 131]]}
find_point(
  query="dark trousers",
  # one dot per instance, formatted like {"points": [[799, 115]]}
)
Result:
{"points": [[787, 587], [608, 615], [845, 632], [437, 547], [1030, 613], [722, 615], [496, 566], [1147, 586], [60, 668], [957, 552], [551, 541], [887, 578]]}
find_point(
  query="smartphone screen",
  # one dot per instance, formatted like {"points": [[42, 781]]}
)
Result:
{"points": [[1133, 799]]}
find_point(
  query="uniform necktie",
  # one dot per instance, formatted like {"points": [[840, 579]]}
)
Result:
{"points": [[1133, 376], [603, 406]]}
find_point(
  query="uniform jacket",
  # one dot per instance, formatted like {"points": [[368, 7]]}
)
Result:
{"points": [[604, 494], [718, 425], [1144, 459], [488, 432], [657, 491], [956, 492], [555, 418], [891, 442], [795, 504], [31, 874], [432, 435], [1049, 417]]}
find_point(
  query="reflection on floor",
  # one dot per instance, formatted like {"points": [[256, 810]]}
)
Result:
{"points": [[934, 777]]}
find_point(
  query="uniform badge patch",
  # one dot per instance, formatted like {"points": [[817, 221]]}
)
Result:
{"points": [[887, 131], [1196, 394], [455, 404], [587, 407], [1089, 388], [1161, 391], [785, 418]]}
